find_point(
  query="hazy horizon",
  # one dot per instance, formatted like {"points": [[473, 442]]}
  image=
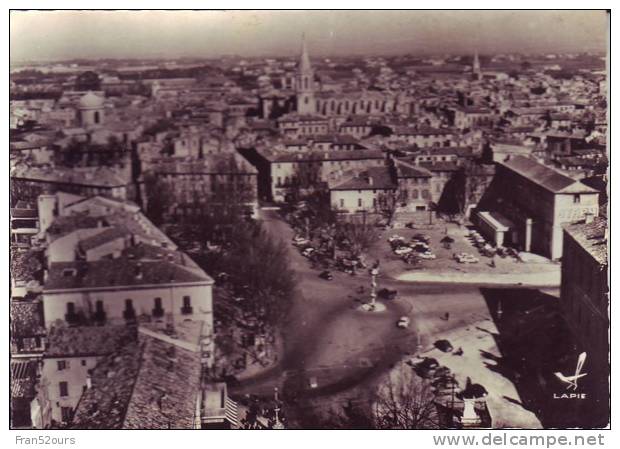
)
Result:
{"points": [[62, 35]]}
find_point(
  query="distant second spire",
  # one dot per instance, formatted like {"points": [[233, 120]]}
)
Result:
{"points": [[304, 62]]}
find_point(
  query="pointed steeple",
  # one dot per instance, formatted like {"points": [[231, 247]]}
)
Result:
{"points": [[304, 62], [476, 63]]}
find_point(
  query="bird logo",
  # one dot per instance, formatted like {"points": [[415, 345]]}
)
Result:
{"points": [[572, 380]]}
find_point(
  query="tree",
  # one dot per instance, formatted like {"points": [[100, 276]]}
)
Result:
{"points": [[159, 198], [432, 207], [387, 202], [305, 180], [405, 401], [88, 80], [260, 263], [359, 232]]}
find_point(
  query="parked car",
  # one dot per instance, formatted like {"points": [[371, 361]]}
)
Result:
{"points": [[403, 322], [427, 255], [300, 241], [466, 258], [307, 252], [386, 293], [326, 275], [411, 258], [420, 247], [403, 250], [394, 237], [421, 238]]}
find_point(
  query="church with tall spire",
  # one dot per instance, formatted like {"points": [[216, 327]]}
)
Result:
{"points": [[305, 82], [475, 68]]}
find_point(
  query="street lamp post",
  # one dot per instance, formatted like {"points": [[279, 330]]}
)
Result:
{"points": [[278, 424], [373, 286]]}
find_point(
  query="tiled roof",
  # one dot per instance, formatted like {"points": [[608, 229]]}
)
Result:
{"points": [[165, 392], [374, 178], [149, 383], [591, 236], [440, 166], [214, 163], [64, 225], [293, 118], [119, 272], [24, 213], [26, 318], [319, 155], [88, 340], [459, 151], [335, 138], [106, 235], [99, 177], [405, 170], [104, 405], [411, 131], [544, 176], [23, 379]]}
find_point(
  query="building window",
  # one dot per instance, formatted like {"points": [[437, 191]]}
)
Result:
{"points": [[187, 306], [64, 389], [62, 365], [70, 316], [129, 313], [359, 202], [66, 414], [342, 202], [158, 310], [576, 198], [83, 362], [99, 312], [96, 117]]}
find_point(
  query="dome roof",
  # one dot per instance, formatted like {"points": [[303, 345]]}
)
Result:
{"points": [[91, 101]]}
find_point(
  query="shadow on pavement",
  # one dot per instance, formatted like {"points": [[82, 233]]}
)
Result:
{"points": [[535, 343]]}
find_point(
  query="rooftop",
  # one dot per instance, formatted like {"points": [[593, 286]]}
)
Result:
{"points": [[87, 340], [106, 235], [150, 383], [23, 379], [166, 389], [407, 170], [104, 405], [121, 271], [440, 166], [373, 178], [319, 155], [99, 177], [546, 177], [26, 318], [592, 237], [214, 163]]}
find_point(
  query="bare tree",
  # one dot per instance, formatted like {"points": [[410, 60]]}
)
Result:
{"points": [[360, 232], [405, 401], [306, 180], [159, 198], [387, 202]]}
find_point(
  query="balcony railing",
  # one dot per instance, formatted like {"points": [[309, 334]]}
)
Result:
{"points": [[187, 310]]}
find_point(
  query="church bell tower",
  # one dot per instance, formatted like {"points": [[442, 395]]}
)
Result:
{"points": [[305, 83]]}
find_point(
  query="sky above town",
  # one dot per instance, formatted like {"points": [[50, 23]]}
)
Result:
{"points": [[56, 35]]}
